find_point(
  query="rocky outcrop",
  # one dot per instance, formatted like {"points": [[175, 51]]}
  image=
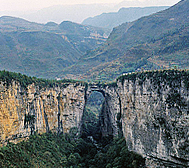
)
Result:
{"points": [[150, 109], [39, 109], [155, 116]]}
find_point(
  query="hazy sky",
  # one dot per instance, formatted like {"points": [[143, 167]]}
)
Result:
{"points": [[16, 5]]}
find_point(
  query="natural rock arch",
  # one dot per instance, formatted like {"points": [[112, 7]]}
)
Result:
{"points": [[111, 109]]}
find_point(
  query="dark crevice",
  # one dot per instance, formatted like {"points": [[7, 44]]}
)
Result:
{"points": [[46, 118], [60, 126]]}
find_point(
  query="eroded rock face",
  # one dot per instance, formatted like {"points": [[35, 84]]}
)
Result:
{"points": [[24, 111], [151, 110], [155, 120]]}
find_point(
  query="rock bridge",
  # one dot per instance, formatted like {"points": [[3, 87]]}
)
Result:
{"points": [[111, 109]]}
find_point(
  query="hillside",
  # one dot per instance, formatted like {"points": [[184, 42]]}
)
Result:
{"points": [[43, 49], [35, 53], [83, 37], [75, 33], [151, 42], [114, 19]]}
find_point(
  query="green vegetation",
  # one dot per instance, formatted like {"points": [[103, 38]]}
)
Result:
{"points": [[24, 80], [171, 77], [52, 150]]}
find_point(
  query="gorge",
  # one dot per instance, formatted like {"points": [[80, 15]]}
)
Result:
{"points": [[150, 109]]}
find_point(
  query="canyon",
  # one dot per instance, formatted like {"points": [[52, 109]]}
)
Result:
{"points": [[150, 109]]}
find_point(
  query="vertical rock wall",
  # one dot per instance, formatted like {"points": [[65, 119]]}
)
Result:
{"points": [[23, 111], [110, 112], [155, 117]]}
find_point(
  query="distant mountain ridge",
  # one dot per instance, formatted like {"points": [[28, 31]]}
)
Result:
{"points": [[78, 12], [42, 49], [75, 13], [156, 41], [114, 19]]}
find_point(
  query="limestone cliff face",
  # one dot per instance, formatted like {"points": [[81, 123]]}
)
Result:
{"points": [[150, 109], [25, 110], [155, 118]]}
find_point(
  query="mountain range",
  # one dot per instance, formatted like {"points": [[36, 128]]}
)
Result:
{"points": [[38, 49], [114, 19], [75, 12], [72, 50], [58, 13], [151, 42]]}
